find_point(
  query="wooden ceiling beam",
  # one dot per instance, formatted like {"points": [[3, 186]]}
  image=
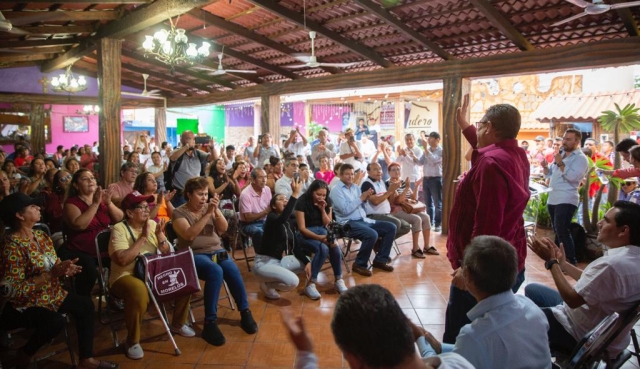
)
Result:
{"points": [[37, 43], [165, 77], [96, 1], [615, 52], [9, 58], [136, 21], [58, 30], [627, 19], [502, 24], [88, 69], [66, 99], [402, 27], [237, 29], [298, 18], [183, 70], [22, 18]]}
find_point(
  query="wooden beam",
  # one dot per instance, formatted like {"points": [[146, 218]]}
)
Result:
{"points": [[109, 77], [270, 116], [37, 129], [38, 43], [22, 18], [502, 24], [59, 30], [454, 89], [298, 18], [606, 53], [95, 1], [133, 22], [32, 51], [237, 29], [627, 19], [183, 70], [161, 76], [403, 28], [9, 58], [160, 123], [65, 99]]}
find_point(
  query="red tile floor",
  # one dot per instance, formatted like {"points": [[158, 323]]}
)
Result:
{"points": [[420, 286]]}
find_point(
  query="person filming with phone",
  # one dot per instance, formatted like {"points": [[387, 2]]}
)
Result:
{"points": [[284, 184], [568, 169], [187, 162]]}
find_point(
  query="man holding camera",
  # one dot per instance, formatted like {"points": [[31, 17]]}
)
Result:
{"points": [[324, 147], [266, 149], [347, 200], [351, 150], [283, 185], [187, 162]]}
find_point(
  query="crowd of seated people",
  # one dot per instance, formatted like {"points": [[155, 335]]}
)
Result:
{"points": [[286, 198]]}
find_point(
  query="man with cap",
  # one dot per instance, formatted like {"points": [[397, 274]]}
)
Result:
{"points": [[432, 185], [629, 190], [538, 152], [351, 150]]}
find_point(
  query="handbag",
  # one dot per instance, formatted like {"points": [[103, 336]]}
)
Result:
{"points": [[413, 206], [168, 276]]}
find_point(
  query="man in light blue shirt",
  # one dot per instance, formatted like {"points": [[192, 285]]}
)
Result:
{"points": [[506, 330], [431, 163], [566, 172], [347, 201]]}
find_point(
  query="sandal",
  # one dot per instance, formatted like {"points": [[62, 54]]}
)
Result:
{"points": [[432, 251], [418, 254]]}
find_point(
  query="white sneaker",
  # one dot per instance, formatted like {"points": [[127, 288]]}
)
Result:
{"points": [[134, 352], [312, 292], [270, 293], [184, 331], [340, 286]]}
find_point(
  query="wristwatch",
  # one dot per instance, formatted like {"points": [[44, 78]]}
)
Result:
{"points": [[549, 264]]}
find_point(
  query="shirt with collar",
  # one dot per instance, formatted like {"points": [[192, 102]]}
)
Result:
{"points": [[506, 331], [563, 186], [609, 284], [347, 204], [283, 186], [379, 189], [298, 148], [491, 198], [251, 202], [411, 168], [431, 162]]}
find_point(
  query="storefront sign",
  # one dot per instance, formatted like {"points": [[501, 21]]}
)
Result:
{"points": [[424, 116]]}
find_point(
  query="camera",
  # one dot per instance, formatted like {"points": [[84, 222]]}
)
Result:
{"points": [[203, 140], [335, 230]]}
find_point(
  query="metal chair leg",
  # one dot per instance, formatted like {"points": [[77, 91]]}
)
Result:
{"points": [[226, 289]]}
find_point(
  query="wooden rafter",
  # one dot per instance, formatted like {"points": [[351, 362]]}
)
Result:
{"points": [[22, 18], [298, 18], [627, 19], [237, 29], [59, 30], [37, 43], [9, 58], [165, 77], [96, 1], [133, 22], [402, 27], [502, 24]]}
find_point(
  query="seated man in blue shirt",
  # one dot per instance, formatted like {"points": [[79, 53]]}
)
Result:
{"points": [[347, 205], [506, 330]]}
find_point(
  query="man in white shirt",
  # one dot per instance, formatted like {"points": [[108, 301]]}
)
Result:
{"points": [[432, 185], [298, 146], [323, 147], [351, 151], [283, 185], [377, 205], [368, 148], [609, 284], [409, 158]]}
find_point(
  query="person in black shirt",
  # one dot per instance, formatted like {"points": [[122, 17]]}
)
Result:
{"points": [[274, 271], [313, 214]]}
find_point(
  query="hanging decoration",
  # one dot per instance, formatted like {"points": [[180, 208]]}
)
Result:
{"points": [[67, 82]]}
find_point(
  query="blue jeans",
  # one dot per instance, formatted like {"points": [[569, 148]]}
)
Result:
{"points": [[559, 338], [460, 302], [255, 230], [542, 296], [320, 252], [368, 233], [561, 216], [213, 274], [432, 189]]}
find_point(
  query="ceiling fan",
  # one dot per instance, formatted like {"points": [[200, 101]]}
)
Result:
{"points": [[597, 7], [220, 71], [153, 94], [7, 26], [310, 61]]}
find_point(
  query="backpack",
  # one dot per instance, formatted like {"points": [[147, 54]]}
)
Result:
{"points": [[174, 166]]}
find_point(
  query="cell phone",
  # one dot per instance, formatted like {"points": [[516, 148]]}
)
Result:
{"points": [[296, 176], [351, 139], [259, 138], [202, 140]]}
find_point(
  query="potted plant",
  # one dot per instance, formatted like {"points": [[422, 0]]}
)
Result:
{"points": [[622, 120]]}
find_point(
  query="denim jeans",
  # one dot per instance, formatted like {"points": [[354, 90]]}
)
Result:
{"points": [[460, 302], [432, 188], [278, 274], [368, 233], [255, 230], [320, 252], [213, 274], [178, 198], [561, 216], [542, 296], [559, 338]]}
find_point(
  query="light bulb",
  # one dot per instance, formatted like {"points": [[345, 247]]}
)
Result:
{"points": [[166, 47], [192, 51], [74, 83], [82, 81], [54, 82], [86, 109], [161, 35], [96, 108], [204, 49], [180, 36], [148, 43], [62, 79]]}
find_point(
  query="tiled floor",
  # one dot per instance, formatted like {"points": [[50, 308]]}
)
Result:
{"points": [[421, 288]]}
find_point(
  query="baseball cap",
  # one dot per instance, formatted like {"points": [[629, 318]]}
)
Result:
{"points": [[539, 138], [434, 135], [15, 203], [135, 198]]}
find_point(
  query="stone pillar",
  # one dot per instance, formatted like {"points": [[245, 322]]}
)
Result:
{"points": [[109, 76]]}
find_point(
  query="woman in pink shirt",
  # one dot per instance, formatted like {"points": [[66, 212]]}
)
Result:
{"points": [[325, 173]]}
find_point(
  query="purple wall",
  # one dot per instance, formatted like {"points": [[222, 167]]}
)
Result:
{"points": [[25, 80], [330, 115], [239, 115]]}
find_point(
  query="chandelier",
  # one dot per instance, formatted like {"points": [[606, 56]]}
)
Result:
{"points": [[173, 47], [67, 82], [89, 110]]}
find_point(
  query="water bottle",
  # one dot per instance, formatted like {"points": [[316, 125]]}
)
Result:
{"points": [[602, 177]]}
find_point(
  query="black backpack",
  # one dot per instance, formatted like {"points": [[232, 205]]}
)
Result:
{"points": [[174, 166]]}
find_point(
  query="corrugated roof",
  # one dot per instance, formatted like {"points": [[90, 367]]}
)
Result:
{"points": [[583, 107]]}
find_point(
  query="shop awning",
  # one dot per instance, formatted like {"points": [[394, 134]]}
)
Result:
{"points": [[583, 107]]}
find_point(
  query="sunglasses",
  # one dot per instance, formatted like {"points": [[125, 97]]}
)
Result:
{"points": [[65, 179], [628, 183]]}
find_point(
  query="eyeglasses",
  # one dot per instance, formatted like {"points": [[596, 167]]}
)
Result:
{"points": [[480, 123], [65, 179], [627, 183], [142, 207]]}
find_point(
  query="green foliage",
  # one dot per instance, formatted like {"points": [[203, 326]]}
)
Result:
{"points": [[537, 210], [623, 120], [313, 128]]}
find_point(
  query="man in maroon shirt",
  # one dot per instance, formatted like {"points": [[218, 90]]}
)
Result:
{"points": [[490, 200]]}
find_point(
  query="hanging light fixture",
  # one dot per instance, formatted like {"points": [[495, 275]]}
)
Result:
{"points": [[173, 47], [67, 82], [89, 110]]}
